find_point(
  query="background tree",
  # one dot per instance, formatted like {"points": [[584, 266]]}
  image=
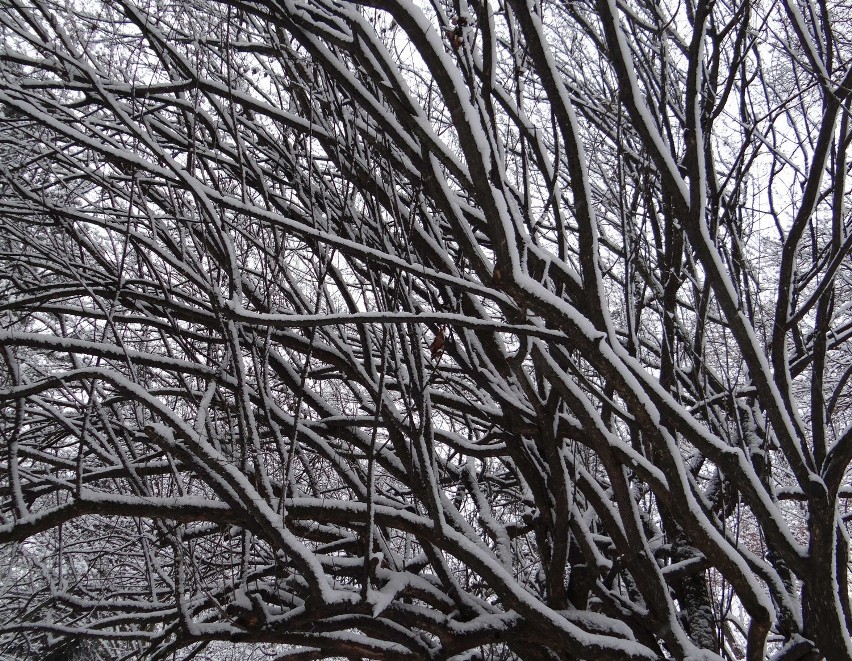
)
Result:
{"points": [[470, 330]]}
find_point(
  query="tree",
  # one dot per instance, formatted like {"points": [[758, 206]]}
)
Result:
{"points": [[452, 330]]}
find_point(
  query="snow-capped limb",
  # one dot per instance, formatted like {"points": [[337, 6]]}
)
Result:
{"points": [[774, 399], [837, 461], [90, 502], [285, 321], [563, 109]]}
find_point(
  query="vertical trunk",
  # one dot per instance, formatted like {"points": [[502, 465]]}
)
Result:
{"points": [[823, 616], [694, 599]]}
